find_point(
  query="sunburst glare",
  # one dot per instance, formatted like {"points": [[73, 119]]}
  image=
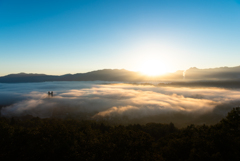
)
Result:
{"points": [[153, 67]]}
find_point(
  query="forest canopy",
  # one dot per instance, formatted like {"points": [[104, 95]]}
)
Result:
{"points": [[31, 138]]}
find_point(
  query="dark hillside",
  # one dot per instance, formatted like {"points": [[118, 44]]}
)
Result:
{"points": [[32, 138], [103, 75], [192, 74]]}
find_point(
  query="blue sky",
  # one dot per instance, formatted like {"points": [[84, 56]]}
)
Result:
{"points": [[67, 36]]}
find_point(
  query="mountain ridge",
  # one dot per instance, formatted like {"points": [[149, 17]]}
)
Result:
{"points": [[191, 74]]}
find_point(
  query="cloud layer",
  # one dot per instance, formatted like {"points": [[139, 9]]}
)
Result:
{"points": [[123, 102]]}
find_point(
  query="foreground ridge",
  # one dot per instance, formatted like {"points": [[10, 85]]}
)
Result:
{"points": [[50, 139]]}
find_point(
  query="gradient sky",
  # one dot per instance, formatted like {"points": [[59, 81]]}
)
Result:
{"points": [[67, 36]]}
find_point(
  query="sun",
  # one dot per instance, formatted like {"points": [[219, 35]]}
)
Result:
{"points": [[153, 67]]}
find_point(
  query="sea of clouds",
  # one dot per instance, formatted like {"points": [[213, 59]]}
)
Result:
{"points": [[122, 102]]}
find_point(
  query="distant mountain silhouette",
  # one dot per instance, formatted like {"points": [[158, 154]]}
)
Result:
{"points": [[192, 74], [222, 73], [103, 75], [211, 74]]}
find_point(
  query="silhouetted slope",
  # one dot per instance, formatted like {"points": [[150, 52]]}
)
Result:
{"points": [[103, 75], [23, 77], [222, 73], [192, 74], [31, 138], [213, 74]]}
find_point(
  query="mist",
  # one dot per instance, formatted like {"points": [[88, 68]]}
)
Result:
{"points": [[118, 103]]}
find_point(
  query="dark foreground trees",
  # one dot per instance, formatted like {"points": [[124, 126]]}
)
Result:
{"points": [[56, 139]]}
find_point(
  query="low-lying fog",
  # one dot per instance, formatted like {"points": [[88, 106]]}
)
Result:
{"points": [[118, 103]]}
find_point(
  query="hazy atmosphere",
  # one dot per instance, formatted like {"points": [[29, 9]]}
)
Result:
{"points": [[153, 37], [122, 80], [134, 61], [161, 61], [118, 102]]}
